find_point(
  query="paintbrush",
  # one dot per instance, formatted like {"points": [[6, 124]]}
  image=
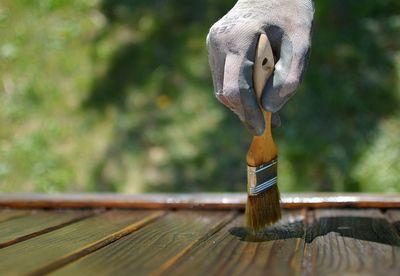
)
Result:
{"points": [[263, 201]]}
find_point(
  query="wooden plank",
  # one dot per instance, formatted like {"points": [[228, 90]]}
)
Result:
{"points": [[147, 249], [52, 250], [195, 200], [146, 201], [40, 222], [7, 214], [394, 217], [351, 242], [275, 251]]}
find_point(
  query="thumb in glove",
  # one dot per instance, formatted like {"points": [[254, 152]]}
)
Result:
{"points": [[232, 44]]}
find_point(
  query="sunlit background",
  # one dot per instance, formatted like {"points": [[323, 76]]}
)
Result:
{"points": [[117, 96]]}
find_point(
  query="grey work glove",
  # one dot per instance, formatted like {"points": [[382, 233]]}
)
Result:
{"points": [[232, 43]]}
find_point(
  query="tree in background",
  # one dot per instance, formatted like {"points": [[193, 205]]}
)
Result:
{"points": [[117, 96]]}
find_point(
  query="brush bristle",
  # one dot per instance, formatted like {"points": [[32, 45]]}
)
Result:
{"points": [[263, 209]]}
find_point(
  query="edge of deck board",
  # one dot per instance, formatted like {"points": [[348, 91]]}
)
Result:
{"points": [[194, 200]]}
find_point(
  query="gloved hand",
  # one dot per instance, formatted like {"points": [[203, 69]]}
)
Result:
{"points": [[232, 43]]}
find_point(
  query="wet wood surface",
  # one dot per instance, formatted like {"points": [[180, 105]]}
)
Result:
{"points": [[153, 245], [194, 241], [234, 251]]}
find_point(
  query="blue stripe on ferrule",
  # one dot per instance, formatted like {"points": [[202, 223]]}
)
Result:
{"points": [[261, 178]]}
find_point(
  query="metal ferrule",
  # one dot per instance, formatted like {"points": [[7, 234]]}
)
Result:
{"points": [[262, 177]]}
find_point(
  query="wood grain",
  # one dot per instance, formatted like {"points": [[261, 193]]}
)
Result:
{"points": [[7, 214], [154, 245], [351, 242], [37, 223], [262, 148], [195, 201], [47, 252], [275, 251], [317, 242]]}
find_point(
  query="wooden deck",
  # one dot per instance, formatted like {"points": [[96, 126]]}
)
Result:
{"points": [[322, 234]]}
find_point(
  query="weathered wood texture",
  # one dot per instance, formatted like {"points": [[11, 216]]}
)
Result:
{"points": [[351, 242], [232, 251], [152, 246], [39, 222], [334, 241], [195, 200], [47, 252]]}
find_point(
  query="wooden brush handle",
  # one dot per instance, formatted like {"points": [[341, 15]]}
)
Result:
{"points": [[262, 148]]}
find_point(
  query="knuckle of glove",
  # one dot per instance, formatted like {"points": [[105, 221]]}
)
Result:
{"points": [[229, 60], [214, 37], [230, 97]]}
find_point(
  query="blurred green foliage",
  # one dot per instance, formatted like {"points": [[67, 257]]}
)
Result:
{"points": [[116, 95]]}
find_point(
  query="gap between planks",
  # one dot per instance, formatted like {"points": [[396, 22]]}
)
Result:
{"points": [[305, 263], [310, 218], [40, 222], [46, 252], [276, 250], [90, 248], [349, 241], [165, 239]]}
